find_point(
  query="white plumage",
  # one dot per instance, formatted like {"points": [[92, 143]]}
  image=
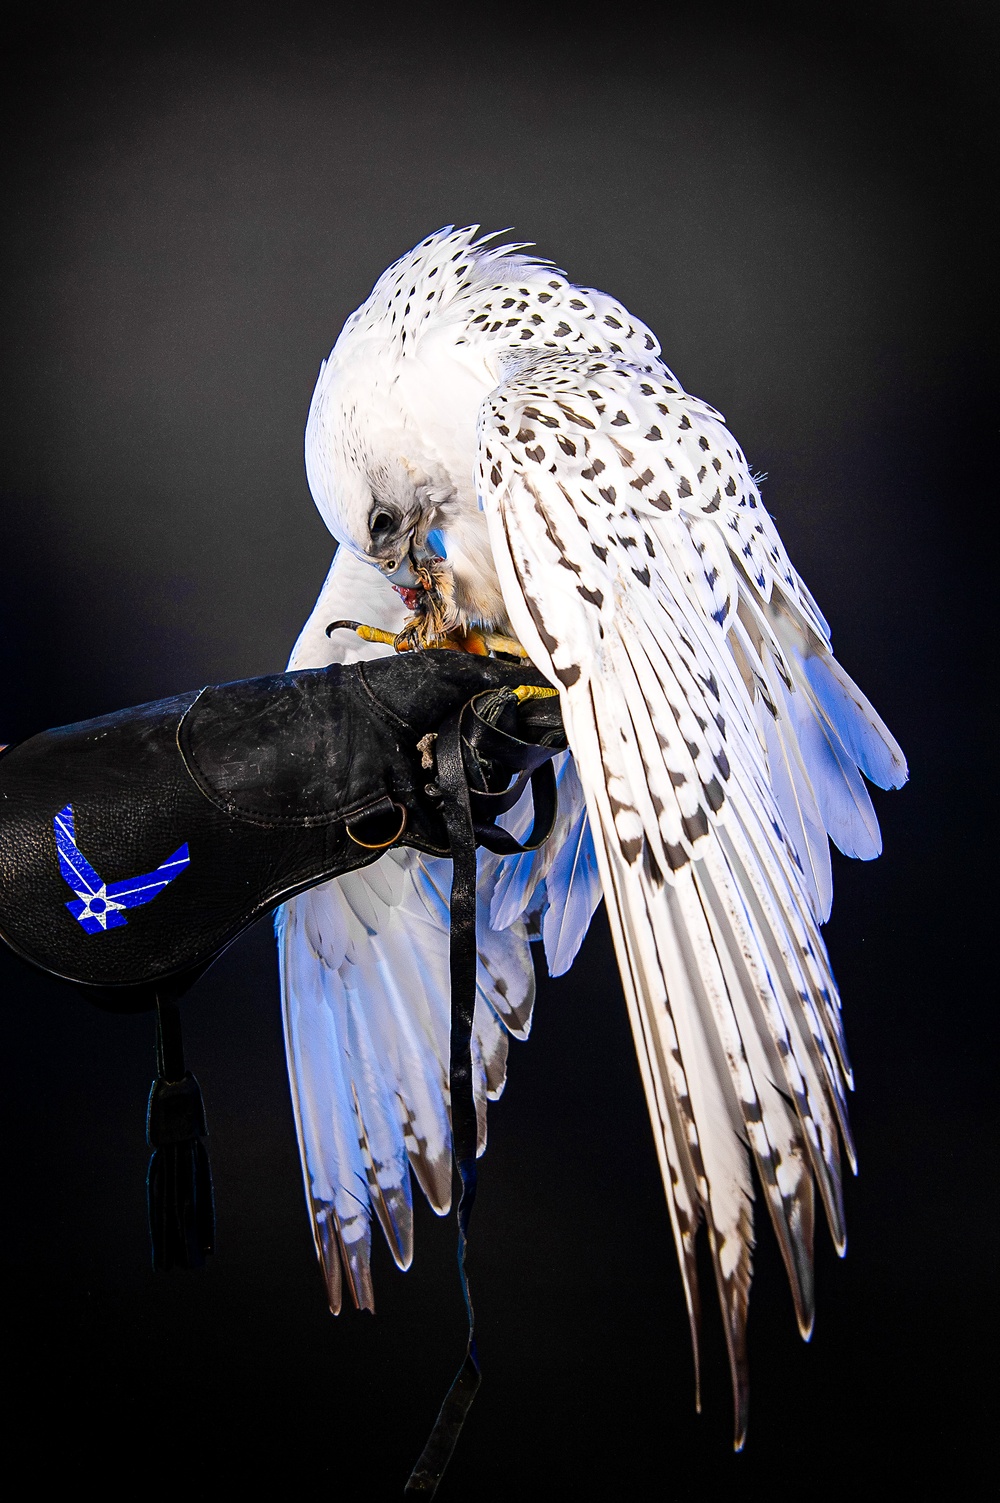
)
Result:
{"points": [[480, 409]]}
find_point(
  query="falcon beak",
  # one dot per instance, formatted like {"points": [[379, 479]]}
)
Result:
{"points": [[410, 574], [398, 563], [404, 575], [408, 570]]}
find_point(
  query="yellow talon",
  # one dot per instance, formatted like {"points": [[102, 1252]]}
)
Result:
{"points": [[366, 633], [375, 634], [533, 691]]}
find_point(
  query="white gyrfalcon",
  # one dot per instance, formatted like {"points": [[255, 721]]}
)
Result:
{"points": [[499, 451]]}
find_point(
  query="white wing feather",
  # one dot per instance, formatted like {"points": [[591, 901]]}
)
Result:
{"points": [[365, 996], [718, 744]]}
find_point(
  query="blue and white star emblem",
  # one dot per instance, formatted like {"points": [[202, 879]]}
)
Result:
{"points": [[99, 905]]}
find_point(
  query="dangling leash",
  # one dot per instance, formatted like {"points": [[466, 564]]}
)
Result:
{"points": [[470, 747]]}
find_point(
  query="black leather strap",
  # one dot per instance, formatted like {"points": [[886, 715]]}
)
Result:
{"points": [[491, 752], [543, 795], [472, 750], [457, 810]]}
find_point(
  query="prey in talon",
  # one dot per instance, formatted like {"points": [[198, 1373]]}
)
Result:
{"points": [[435, 621], [425, 581]]}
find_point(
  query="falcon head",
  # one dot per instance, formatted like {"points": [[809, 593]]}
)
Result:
{"points": [[396, 485], [391, 440]]}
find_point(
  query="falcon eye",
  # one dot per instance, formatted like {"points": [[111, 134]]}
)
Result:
{"points": [[381, 524]]}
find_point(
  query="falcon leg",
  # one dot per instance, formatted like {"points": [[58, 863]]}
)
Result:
{"points": [[414, 638]]}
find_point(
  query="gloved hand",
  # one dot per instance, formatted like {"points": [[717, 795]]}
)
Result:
{"points": [[134, 847]]}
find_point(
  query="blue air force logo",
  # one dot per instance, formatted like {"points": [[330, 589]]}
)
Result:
{"points": [[99, 905]]}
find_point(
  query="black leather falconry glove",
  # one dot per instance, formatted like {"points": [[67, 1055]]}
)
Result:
{"points": [[135, 847]]}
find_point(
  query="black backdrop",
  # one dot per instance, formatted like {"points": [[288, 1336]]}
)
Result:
{"points": [[795, 202]]}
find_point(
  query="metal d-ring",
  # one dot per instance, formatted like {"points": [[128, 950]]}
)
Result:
{"points": [[380, 845]]}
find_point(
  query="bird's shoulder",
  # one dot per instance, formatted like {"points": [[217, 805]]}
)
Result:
{"points": [[623, 434], [634, 458], [543, 313]]}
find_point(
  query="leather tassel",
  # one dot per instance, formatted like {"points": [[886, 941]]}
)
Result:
{"points": [[179, 1179]]}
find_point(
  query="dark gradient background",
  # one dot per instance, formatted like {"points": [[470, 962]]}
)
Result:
{"points": [[796, 202]]}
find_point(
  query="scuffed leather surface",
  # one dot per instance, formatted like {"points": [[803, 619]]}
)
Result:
{"points": [[257, 777], [296, 749]]}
